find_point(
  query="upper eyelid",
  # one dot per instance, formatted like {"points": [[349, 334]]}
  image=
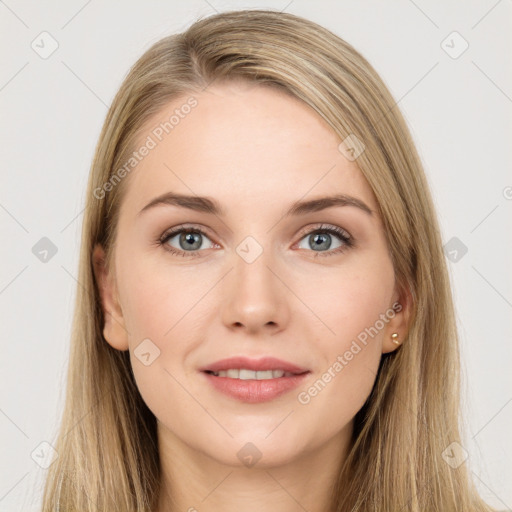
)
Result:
{"points": [[323, 227], [186, 227]]}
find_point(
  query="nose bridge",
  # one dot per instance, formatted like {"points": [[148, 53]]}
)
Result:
{"points": [[254, 296]]}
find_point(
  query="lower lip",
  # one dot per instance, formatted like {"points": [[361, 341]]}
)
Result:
{"points": [[255, 391]]}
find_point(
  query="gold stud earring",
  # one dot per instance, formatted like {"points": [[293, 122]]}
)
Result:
{"points": [[394, 338]]}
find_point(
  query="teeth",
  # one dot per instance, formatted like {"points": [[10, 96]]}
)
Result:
{"points": [[249, 374], [244, 374]]}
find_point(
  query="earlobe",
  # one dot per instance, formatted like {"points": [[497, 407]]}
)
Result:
{"points": [[114, 330], [398, 326]]}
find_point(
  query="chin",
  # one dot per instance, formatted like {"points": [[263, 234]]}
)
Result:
{"points": [[260, 448]]}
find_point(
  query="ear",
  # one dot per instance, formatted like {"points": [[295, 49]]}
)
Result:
{"points": [[114, 330], [399, 322]]}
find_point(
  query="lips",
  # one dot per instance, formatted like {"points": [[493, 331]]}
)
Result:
{"points": [[263, 364], [250, 390]]}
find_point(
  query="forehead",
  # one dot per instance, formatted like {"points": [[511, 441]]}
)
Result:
{"points": [[239, 142]]}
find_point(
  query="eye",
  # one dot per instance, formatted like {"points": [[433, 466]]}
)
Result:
{"points": [[327, 239], [185, 241]]}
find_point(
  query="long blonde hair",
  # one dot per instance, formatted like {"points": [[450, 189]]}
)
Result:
{"points": [[107, 445]]}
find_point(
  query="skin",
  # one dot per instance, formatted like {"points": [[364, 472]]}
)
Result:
{"points": [[255, 150]]}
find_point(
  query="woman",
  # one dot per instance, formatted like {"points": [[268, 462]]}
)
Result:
{"points": [[265, 320]]}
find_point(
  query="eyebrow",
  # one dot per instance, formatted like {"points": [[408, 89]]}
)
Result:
{"points": [[209, 205]]}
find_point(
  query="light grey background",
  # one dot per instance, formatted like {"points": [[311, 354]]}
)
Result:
{"points": [[459, 110]]}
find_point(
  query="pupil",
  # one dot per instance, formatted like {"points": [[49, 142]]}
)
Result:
{"points": [[191, 240], [321, 240]]}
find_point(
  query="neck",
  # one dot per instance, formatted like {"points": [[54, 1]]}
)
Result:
{"points": [[193, 481]]}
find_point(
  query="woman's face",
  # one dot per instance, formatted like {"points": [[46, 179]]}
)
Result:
{"points": [[251, 280]]}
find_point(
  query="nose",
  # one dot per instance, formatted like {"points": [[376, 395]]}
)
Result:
{"points": [[254, 297]]}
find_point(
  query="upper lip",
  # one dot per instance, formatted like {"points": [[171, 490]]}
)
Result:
{"points": [[265, 363]]}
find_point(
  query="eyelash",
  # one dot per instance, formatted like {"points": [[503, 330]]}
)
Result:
{"points": [[332, 230]]}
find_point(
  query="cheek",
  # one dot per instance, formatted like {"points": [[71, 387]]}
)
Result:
{"points": [[353, 304], [158, 306], [155, 297], [350, 299]]}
